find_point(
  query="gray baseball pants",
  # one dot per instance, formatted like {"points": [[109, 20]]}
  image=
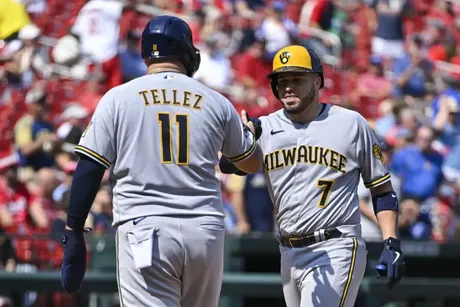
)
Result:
{"points": [[166, 261], [327, 273]]}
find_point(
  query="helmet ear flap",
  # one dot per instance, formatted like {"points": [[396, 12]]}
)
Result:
{"points": [[195, 63], [274, 85]]}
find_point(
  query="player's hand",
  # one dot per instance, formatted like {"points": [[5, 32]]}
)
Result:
{"points": [[74, 263], [252, 123], [391, 262], [247, 122]]}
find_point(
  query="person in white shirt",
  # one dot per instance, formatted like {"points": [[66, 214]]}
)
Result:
{"points": [[97, 28], [277, 30], [215, 69]]}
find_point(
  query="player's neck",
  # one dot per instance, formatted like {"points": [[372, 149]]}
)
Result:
{"points": [[309, 114], [165, 67]]}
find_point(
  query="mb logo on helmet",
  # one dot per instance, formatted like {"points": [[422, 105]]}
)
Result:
{"points": [[285, 56]]}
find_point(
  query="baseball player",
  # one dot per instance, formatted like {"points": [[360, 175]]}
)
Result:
{"points": [[160, 135], [314, 154]]}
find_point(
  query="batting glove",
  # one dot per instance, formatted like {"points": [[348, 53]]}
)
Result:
{"points": [[391, 262], [74, 263]]}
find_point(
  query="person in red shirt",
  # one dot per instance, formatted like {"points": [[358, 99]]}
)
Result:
{"points": [[14, 207], [253, 68], [372, 89]]}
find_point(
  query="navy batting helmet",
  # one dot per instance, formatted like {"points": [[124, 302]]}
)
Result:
{"points": [[169, 37], [297, 59]]}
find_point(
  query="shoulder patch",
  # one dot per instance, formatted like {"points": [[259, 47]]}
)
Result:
{"points": [[378, 153]]}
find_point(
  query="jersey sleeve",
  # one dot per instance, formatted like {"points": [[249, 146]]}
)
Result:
{"points": [[98, 140], [239, 142], [371, 160]]}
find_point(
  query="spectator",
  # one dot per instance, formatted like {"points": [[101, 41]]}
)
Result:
{"points": [[13, 69], [447, 120], [442, 214], [276, 30], [446, 112], [7, 264], [7, 255], [43, 205], [61, 189], [14, 198], [16, 218], [318, 14], [69, 60], [215, 70], [100, 217], [254, 67], [414, 220], [252, 204], [69, 133], [413, 72], [132, 64], [372, 89], [419, 167], [72, 125], [35, 59], [97, 28], [34, 136], [388, 40], [404, 127]]}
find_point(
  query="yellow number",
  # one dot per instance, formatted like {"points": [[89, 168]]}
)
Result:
{"points": [[166, 138], [326, 185]]}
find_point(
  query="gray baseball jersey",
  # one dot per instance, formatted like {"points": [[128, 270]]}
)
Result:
{"points": [[160, 135], [313, 170]]}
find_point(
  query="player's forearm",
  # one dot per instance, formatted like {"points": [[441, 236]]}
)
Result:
{"points": [[85, 185], [388, 221], [386, 207]]}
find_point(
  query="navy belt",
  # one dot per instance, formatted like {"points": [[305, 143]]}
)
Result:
{"points": [[316, 237]]}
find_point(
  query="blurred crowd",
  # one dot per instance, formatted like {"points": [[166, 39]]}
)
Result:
{"points": [[397, 62]]}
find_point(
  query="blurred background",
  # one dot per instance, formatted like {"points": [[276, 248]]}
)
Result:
{"points": [[397, 62]]}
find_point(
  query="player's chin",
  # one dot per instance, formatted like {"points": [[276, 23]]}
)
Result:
{"points": [[291, 102]]}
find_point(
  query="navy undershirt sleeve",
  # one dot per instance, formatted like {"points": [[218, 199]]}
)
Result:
{"points": [[85, 185]]}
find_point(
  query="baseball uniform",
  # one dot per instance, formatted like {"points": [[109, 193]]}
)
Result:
{"points": [[313, 171], [160, 136]]}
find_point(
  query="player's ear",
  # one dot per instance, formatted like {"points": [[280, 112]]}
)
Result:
{"points": [[318, 81]]}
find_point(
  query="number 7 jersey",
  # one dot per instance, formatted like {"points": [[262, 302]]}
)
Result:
{"points": [[160, 136], [313, 170]]}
